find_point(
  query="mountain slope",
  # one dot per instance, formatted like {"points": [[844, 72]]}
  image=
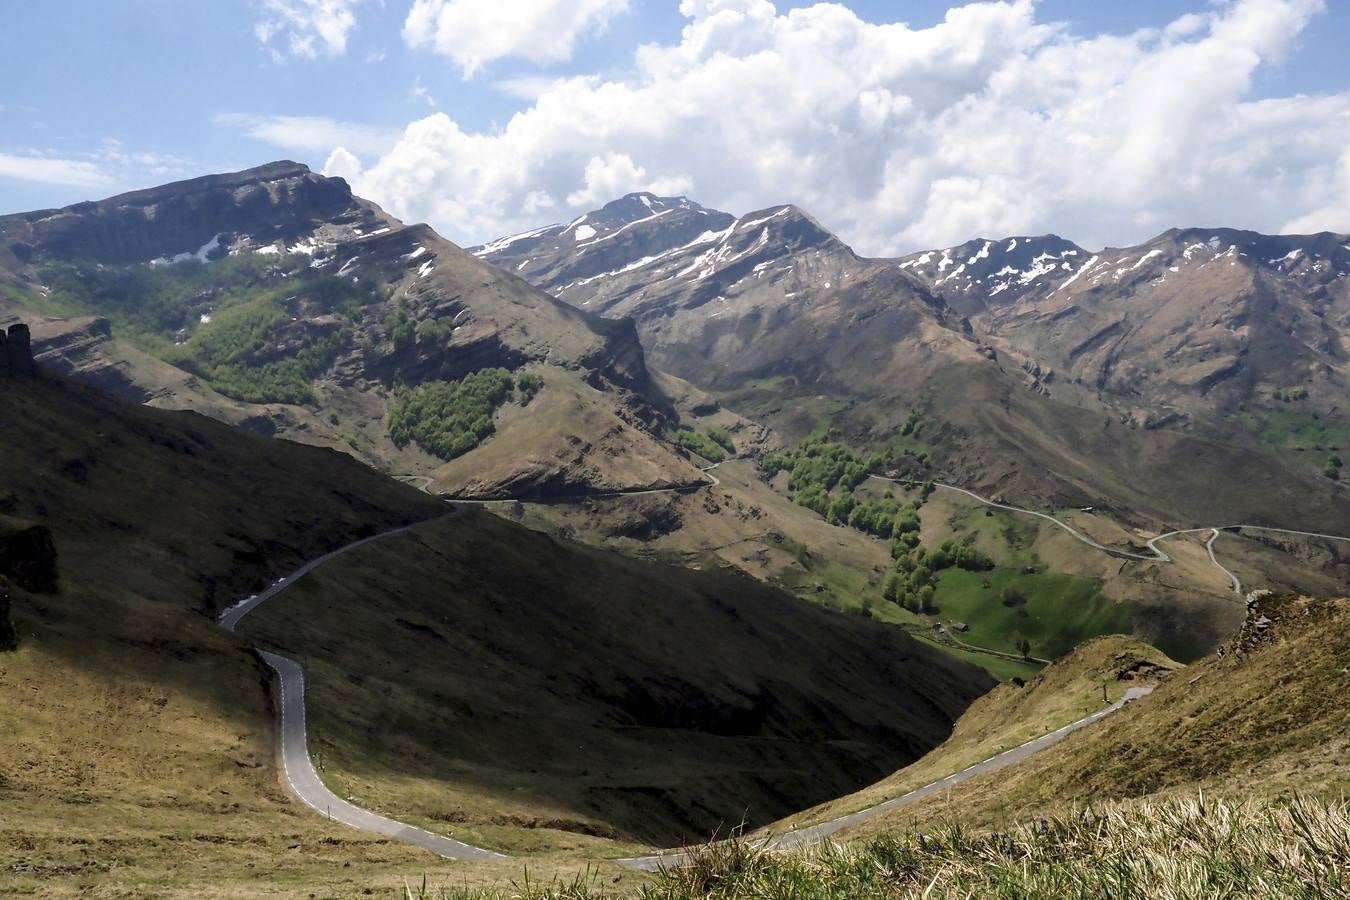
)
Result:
{"points": [[282, 302], [720, 299], [159, 519], [791, 328]]}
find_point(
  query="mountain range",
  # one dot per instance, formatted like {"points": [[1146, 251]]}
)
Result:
{"points": [[1128, 377]]}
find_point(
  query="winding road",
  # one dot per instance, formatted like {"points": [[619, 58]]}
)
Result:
{"points": [[1158, 555], [303, 781], [812, 834]]}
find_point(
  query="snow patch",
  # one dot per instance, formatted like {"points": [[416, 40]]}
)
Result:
{"points": [[1074, 277], [425, 269], [983, 254], [620, 231], [201, 255], [502, 243], [1145, 258], [205, 318], [753, 222], [584, 232]]}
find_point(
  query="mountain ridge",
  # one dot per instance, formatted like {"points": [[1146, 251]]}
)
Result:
{"points": [[133, 292]]}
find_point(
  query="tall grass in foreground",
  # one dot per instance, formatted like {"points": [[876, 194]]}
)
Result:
{"points": [[1194, 848]]}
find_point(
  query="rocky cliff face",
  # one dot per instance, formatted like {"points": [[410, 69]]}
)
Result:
{"points": [[16, 353], [203, 217]]}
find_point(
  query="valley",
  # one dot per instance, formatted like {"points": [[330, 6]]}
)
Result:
{"points": [[495, 588]]}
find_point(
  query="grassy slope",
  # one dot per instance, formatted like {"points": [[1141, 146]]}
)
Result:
{"points": [[1010, 715], [1268, 716], [537, 695], [135, 736]]}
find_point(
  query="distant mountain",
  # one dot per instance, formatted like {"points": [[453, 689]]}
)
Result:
{"points": [[1190, 326], [1125, 378], [719, 299], [276, 299]]}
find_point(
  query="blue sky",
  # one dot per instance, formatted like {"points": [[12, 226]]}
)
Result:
{"points": [[119, 94]]}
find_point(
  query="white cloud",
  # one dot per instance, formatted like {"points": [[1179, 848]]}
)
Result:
{"points": [[305, 28], [49, 170], [422, 94], [307, 135], [990, 122], [476, 32]]}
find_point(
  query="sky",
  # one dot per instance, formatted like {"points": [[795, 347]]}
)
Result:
{"points": [[898, 124]]}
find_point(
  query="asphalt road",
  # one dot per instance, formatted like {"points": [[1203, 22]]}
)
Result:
{"points": [[301, 778], [1158, 554], [306, 785], [813, 834]]}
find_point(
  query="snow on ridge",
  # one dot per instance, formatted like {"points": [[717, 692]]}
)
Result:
{"points": [[1145, 258], [945, 261], [616, 233], [503, 243], [1087, 265], [1012, 245], [704, 238], [753, 222], [983, 254], [574, 223], [583, 232]]}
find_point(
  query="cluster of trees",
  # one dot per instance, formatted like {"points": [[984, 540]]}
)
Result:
{"points": [[703, 444], [819, 466], [913, 583], [1290, 395], [450, 418]]}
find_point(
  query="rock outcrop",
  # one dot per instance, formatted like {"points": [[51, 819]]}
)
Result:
{"points": [[9, 638], [28, 555], [16, 353]]}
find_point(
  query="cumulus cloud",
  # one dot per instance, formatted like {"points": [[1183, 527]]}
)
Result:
{"points": [[990, 122], [476, 32], [305, 28]]}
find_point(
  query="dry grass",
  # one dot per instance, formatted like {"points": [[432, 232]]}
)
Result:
{"points": [[1185, 849], [1008, 716]]}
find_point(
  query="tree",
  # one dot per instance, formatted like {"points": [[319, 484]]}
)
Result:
{"points": [[925, 597], [1025, 647]]}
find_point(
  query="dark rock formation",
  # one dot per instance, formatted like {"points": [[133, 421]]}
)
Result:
{"points": [[16, 353], [28, 556], [9, 638]]}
